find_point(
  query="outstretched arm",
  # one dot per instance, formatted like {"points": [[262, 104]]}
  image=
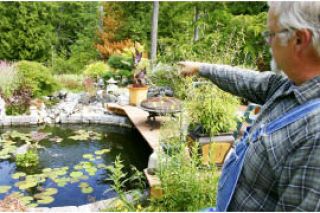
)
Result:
{"points": [[254, 86]]}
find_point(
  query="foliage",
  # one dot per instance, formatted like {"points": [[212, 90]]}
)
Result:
{"points": [[29, 159], [20, 101], [107, 75], [96, 70], [88, 85], [120, 62], [124, 23], [61, 33], [26, 31], [186, 184], [71, 82], [165, 75], [119, 179], [37, 77], [224, 37], [211, 108], [9, 78], [140, 70]]}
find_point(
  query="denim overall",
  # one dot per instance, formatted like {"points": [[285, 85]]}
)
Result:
{"points": [[233, 166]]}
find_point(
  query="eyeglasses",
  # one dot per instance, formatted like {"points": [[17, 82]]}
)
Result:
{"points": [[268, 36]]}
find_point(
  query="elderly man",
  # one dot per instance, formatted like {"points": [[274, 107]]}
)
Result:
{"points": [[276, 166]]}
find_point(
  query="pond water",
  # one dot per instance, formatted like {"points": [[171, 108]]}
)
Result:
{"points": [[72, 163]]}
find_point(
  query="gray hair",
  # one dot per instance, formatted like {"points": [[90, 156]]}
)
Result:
{"points": [[299, 15]]}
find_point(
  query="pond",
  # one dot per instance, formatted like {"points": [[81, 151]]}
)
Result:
{"points": [[72, 162]]}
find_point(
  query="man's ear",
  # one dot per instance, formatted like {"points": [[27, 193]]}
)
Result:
{"points": [[302, 40]]}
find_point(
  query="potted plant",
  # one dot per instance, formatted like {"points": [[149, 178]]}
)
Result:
{"points": [[138, 90], [212, 120]]}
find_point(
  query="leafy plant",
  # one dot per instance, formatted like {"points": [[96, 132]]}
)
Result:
{"points": [[96, 70], [140, 72], [88, 85], [120, 62], [186, 184], [107, 75], [37, 77], [9, 77], [20, 101], [211, 108], [29, 159], [71, 82]]}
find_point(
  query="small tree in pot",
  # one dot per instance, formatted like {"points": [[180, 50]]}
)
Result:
{"points": [[139, 89]]}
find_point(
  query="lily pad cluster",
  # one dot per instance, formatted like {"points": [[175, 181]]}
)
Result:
{"points": [[82, 135], [7, 149]]}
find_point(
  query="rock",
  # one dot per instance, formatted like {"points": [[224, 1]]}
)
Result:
{"points": [[33, 111], [2, 108], [84, 99], [73, 97], [62, 94], [22, 149]]}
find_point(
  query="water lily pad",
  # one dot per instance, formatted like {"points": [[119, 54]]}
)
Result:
{"points": [[51, 191], [87, 165], [98, 157], [62, 183], [46, 170], [74, 180], [39, 196], [32, 205], [87, 190], [26, 184], [18, 175], [78, 167], [4, 189], [84, 177], [101, 165], [76, 174], [45, 200], [102, 151], [26, 200], [4, 157], [17, 195], [88, 156], [83, 185]]}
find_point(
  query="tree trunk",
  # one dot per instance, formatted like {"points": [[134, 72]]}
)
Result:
{"points": [[196, 27], [154, 34], [101, 18]]}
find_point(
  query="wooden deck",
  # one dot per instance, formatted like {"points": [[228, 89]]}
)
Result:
{"points": [[139, 117]]}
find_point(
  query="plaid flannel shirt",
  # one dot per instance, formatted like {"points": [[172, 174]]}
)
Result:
{"points": [[283, 173]]}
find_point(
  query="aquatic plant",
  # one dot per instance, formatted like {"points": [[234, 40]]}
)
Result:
{"points": [[29, 159]]}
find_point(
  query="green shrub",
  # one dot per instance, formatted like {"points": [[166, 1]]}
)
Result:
{"points": [[107, 75], [37, 77], [96, 69], [70, 82], [120, 62], [27, 160], [211, 108]]}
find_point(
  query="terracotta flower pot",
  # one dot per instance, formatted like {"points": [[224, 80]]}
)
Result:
{"points": [[137, 94]]}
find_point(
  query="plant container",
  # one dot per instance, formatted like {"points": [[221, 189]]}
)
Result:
{"points": [[219, 145], [137, 94]]}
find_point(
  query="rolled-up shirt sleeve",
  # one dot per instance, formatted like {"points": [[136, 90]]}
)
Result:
{"points": [[255, 86]]}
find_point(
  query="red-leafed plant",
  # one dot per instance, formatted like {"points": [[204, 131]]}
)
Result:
{"points": [[19, 102]]}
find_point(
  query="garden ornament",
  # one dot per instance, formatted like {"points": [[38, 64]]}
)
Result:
{"points": [[112, 87]]}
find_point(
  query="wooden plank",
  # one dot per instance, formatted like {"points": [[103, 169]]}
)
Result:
{"points": [[139, 117]]}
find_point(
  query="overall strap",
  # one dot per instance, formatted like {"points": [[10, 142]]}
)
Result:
{"points": [[293, 115]]}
